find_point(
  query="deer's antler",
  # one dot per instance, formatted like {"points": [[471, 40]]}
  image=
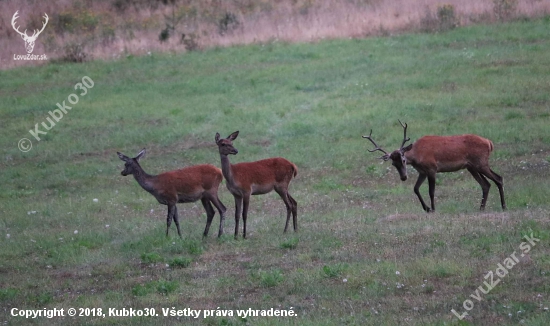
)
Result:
{"points": [[405, 139], [377, 148]]}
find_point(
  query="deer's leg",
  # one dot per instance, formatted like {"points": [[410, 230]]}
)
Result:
{"points": [[485, 186], [294, 213], [421, 178], [209, 214], [169, 217], [221, 209], [246, 201], [238, 207], [497, 179], [176, 219], [284, 196], [431, 190], [500, 184]]}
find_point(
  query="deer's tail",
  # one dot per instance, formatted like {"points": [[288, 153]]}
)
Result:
{"points": [[294, 170]]}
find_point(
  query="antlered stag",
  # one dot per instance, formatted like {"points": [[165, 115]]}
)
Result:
{"points": [[432, 154], [256, 178], [180, 186]]}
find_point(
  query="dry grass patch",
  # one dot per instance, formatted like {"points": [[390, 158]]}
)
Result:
{"points": [[119, 28]]}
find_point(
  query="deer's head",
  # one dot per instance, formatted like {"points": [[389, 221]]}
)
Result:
{"points": [[225, 145], [29, 40], [131, 165], [399, 160]]}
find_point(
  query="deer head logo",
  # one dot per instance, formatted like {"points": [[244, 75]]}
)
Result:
{"points": [[29, 40]]}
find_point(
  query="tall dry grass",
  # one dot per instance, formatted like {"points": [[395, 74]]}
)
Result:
{"points": [[113, 28]]}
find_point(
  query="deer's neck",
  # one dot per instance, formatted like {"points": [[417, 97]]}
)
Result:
{"points": [[226, 169], [410, 158], [145, 180]]}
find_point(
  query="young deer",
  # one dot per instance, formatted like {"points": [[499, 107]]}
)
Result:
{"points": [[180, 186], [432, 154], [256, 178]]}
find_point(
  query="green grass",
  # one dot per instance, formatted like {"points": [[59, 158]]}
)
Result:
{"points": [[309, 103]]}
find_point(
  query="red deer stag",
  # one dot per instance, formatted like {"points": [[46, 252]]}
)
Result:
{"points": [[432, 154], [180, 186], [256, 178]]}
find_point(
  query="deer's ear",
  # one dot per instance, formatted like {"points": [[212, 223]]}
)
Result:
{"points": [[233, 136], [406, 149], [122, 156], [217, 137], [140, 155]]}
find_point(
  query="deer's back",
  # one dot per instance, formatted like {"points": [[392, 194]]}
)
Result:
{"points": [[196, 178], [271, 170], [451, 153]]}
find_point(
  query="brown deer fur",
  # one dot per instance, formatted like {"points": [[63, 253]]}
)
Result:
{"points": [[256, 178], [180, 186]]}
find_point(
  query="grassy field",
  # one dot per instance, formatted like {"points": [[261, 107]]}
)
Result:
{"points": [[75, 233]]}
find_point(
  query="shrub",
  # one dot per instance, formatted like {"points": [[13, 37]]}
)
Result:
{"points": [[190, 41], [428, 23], [228, 23], [165, 33], [77, 21], [122, 5], [74, 52], [107, 34], [446, 17], [505, 9]]}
